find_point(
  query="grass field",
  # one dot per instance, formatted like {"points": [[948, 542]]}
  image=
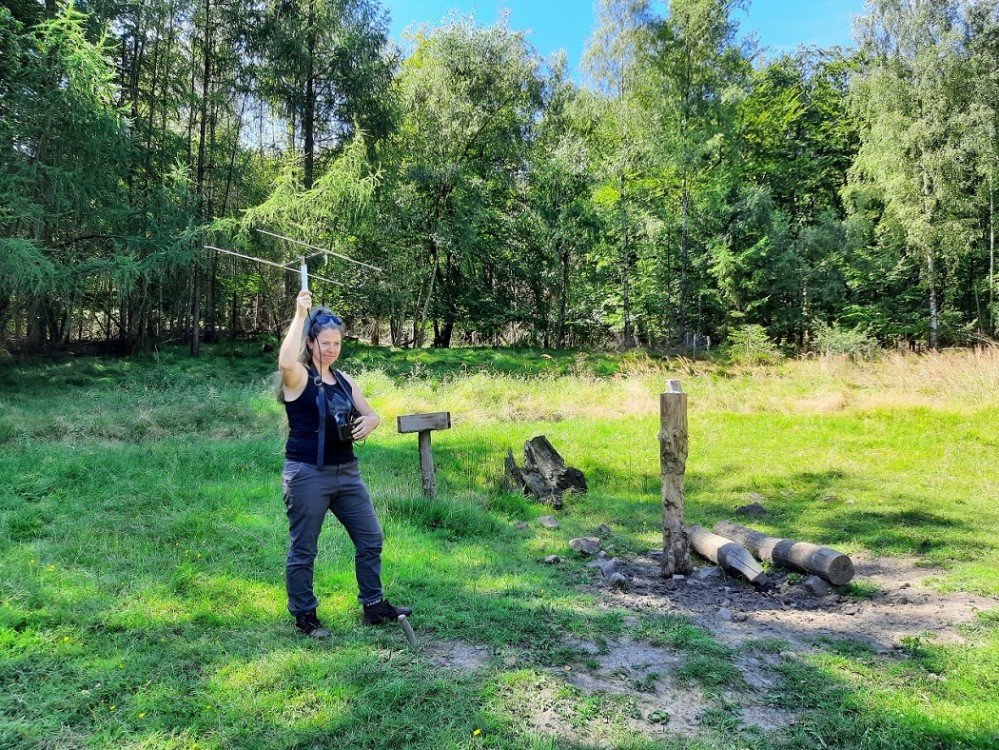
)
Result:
{"points": [[142, 543]]}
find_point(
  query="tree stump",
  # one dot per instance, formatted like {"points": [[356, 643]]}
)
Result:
{"points": [[541, 458], [545, 474]]}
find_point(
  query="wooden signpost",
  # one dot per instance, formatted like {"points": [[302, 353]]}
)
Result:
{"points": [[423, 425]]}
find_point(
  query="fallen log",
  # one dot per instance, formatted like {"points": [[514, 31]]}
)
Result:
{"points": [[728, 554], [827, 563]]}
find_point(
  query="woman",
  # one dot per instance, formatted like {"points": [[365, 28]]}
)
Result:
{"points": [[326, 410]]}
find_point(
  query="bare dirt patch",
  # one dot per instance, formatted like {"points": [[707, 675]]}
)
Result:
{"points": [[629, 688], [894, 603], [457, 655], [625, 686], [900, 605]]}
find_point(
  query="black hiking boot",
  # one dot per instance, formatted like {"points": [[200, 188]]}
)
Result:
{"points": [[309, 624], [382, 611]]}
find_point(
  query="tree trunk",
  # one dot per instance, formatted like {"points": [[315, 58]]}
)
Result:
{"points": [[192, 115], [165, 100], [107, 318], [35, 342], [928, 249], [232, 157], [626, 269], [563, 299], [419, 326], [934, 313], [309, 113], [125, 316], [196, 316], [396, 327], [151, 103], [5, 308], [684, 256], [210, 335], [443, 335], [203, 112], [234, 319], [992, 259]]}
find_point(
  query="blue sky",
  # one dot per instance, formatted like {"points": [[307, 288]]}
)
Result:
{"points": [[566, 24]]}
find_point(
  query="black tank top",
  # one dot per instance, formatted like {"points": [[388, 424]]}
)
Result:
{"points": [[303, 426]]}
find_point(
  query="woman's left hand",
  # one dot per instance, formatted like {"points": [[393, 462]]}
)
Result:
{"points": [[364, 425]]}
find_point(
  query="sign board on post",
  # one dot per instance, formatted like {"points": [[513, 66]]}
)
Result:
{"points": [[423, 425]]}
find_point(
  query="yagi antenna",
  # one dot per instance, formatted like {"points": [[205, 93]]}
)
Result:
{"points": [[318, 250], [302, 270]]}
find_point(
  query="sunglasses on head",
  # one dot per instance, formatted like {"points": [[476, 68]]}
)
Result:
{"points": [[325, 319]]}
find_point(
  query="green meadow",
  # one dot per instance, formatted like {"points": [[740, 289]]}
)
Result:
{"points": [[142, 544]]}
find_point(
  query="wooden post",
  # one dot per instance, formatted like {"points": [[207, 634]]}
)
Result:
{"points": [[423, 424], [673, 463], [831, 565], [427, 465]]}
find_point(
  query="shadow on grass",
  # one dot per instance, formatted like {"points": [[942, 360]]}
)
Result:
{"points": [[254, 684], [819, 509]]}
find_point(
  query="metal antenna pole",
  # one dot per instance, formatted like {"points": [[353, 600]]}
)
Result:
{"points": [[303, 271], [317, 249]]}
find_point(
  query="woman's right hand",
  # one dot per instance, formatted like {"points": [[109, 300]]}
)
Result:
{"points": [[303, 303]]}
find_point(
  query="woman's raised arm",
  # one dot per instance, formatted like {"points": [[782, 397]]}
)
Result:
{"points": [[293, 374]]}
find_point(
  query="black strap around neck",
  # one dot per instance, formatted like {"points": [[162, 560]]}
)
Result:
{"points": [[345, 386], [317, 379]]}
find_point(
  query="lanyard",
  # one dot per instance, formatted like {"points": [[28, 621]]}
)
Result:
{"points": [[317, 380]]}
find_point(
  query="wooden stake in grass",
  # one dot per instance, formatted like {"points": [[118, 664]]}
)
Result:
{"points": [[673, 463], [408, 630]]}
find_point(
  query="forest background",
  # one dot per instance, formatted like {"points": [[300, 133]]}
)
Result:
{"points": [[692, 189]]}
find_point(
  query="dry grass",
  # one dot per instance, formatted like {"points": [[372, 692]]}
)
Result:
{"points": [[951, 377], [489, 398], [955, 380]]}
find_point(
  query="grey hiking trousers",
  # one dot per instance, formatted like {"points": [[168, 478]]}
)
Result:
{"points": [[308, 494]]}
